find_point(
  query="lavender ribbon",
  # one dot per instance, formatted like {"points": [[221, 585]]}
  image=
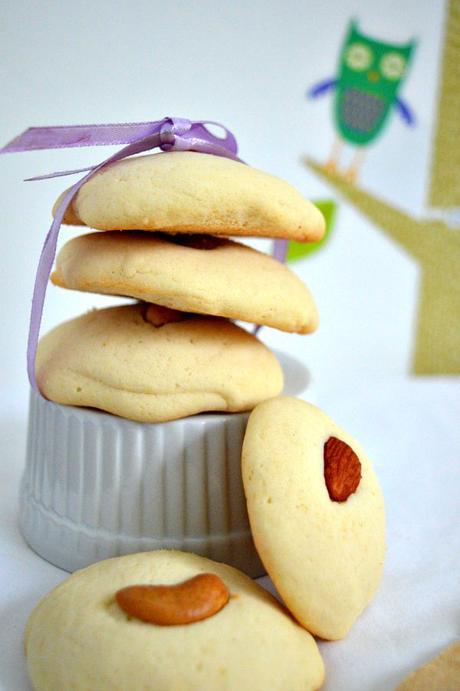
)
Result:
{"points": [[280, 248], [169, 134]]}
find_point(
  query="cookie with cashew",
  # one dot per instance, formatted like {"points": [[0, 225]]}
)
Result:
{"points": [[190, 192], [316, 513], [167, 621], [194, 273], [152, 364]]}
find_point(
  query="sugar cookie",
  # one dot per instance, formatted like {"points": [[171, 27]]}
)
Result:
{"points": [[200, 274], [118, 360], [316, 513], [189, 192], [79, 637]]}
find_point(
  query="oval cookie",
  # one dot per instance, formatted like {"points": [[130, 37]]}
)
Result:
{"points": [[189, 192], [200, 274], [316, 513], [131, 362], [79, 637]]}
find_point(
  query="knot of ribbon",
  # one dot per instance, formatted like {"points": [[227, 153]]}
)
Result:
{"points": [[169, 134]]}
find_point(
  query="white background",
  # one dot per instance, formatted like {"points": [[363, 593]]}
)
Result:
{"points": [[248, 65]]}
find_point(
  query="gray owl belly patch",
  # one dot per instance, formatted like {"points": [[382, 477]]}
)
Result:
{"points": [[361, 111]]}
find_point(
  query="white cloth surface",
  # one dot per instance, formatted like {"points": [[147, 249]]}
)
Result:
{"points": [[410, 427]]}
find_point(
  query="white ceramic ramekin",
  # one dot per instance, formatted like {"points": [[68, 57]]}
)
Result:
{"points": [[97, 486]]}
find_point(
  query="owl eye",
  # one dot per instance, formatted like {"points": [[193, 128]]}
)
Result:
{"points": [[358, 57], [392, 66]]}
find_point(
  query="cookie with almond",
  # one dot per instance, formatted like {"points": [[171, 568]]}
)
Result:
{"points": [[316, 513]]}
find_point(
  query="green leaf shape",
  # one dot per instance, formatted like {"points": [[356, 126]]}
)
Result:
{"points": [[299, 250]]}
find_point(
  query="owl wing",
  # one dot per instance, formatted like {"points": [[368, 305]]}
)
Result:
{"points": [[405, 112], [321, 88]]}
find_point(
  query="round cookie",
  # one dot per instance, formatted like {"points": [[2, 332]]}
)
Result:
{"points": [[130, 362], [442, 673], [79, 637], [200, 274], [316, 513], [189, 192]]}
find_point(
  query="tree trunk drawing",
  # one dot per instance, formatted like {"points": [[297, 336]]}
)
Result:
{"points": [[444, 192]]}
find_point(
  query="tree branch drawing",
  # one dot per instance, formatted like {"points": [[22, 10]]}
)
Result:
{"points": [[436, 247]]}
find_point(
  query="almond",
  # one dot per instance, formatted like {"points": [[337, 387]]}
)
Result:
{"points": [[157, 315], [198, 598], [342, 469]]}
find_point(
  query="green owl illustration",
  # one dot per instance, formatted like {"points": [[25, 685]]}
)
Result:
{"points": [[370, 75]]}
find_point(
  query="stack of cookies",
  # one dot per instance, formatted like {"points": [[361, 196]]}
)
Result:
{"points": [[177, 353], [118, 460]]}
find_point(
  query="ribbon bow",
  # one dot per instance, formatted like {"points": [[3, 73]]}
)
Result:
{"points": [[169, 134]]}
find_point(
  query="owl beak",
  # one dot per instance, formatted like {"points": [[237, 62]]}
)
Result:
{"points": [[373, 76]]}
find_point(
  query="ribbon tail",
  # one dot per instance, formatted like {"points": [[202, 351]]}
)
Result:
{"points": [[59, 174], [280, 248], [64, 137], [45, 265]]}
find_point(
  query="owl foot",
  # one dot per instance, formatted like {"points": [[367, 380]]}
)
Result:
{"points": [[351, 175], [331, 167]]}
